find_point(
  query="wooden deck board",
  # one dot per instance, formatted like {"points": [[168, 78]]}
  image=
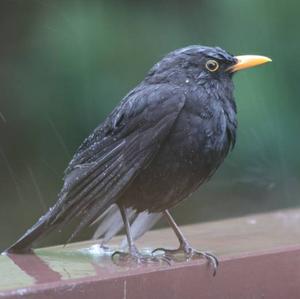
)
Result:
{"points": [[259, 254]]}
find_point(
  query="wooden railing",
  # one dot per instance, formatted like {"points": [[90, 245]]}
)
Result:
{"points": [[259, 258]]}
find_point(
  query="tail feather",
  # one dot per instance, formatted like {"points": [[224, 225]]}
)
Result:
{"points": [[111, 223], [43, 226], [143, 222]]}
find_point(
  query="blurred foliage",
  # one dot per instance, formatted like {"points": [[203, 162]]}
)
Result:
{"points": [[65, 64]]}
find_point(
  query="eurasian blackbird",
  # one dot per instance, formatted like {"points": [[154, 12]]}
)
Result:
{"points": [[166, 137]]}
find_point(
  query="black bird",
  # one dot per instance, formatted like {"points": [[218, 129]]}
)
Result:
{"points": [[165, 138]]}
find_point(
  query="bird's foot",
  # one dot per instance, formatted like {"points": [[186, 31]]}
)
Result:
{"points": [[189, 254], [136, 257]]}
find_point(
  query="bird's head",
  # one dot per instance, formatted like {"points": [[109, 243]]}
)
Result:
{"points": [[199, 64]]}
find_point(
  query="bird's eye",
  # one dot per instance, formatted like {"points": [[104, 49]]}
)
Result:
{"points": [[212, 65]]}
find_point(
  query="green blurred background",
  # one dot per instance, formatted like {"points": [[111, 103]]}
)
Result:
{"points": [[65, 64]]}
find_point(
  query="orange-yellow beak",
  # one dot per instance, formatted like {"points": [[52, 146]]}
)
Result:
{"points": [[247, 61]]}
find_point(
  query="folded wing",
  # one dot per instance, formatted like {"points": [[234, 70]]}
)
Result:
{"points": [[110, 158]]}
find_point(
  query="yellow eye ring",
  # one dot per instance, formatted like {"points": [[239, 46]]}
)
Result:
{"points": [[212, 65]]}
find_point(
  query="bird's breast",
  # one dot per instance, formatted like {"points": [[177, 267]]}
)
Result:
{"points": [[199, 136]]}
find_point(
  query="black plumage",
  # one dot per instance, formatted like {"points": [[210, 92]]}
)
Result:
{"points": [[166, 137]]}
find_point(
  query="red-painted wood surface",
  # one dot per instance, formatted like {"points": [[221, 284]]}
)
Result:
{"points": [[259, 254]]}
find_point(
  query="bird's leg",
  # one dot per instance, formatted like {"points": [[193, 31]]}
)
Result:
{"points": [[132, 248], [185, 247], [134, 254]]}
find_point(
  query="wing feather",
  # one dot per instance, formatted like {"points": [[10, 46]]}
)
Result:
{"points": [[111, 157]]}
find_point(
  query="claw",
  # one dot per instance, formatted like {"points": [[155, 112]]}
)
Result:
{"points": [[157, 249], [212, 260], [164, 250], [189, 253], [139, 258], [116, 253], [165, 259]]}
